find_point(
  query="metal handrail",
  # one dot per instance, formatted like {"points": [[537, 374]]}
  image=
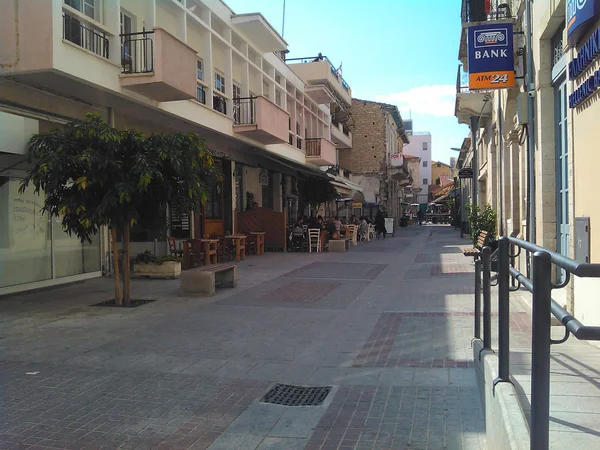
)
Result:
{"points": [[80, 33], [321, 58], [540, 285], [137, 52]]}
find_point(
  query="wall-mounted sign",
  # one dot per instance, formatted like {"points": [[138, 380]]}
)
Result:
{"points": [[587, 54], [491, 56], [580, 13], [465, 172]]}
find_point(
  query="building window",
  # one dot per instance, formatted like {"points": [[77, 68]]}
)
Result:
{"points": [[219, 82], [425, 182], [200, 70], [90, 8], [424, 163], [201, 94], [424, 145], [214, 202], [267, 192]]}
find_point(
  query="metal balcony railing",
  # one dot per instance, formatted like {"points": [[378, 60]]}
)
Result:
{"points": [[312, 146], [486, 10], [83, 35], [137, 52], [244, 110], [541, 286]]}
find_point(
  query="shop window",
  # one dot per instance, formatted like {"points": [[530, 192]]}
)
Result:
{"points": [[214, 202], [28, 239]]}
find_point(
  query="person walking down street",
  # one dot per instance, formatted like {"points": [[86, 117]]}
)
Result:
{"points": [[421, 216], [380, 224]]}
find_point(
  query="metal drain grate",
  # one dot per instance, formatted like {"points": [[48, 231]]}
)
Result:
{"points": [[132, 303], [287, 395]]}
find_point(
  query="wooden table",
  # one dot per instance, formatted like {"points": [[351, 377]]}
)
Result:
{"points": [[210, 250], [260, 241], [240, 246]]}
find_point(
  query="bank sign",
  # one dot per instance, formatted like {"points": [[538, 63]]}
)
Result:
{"points": [[579, 15], [491, 56]]}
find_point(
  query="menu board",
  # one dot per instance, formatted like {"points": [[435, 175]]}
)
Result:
{"points": [[180, 225]]}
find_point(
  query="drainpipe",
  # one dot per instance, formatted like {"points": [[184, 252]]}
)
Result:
{"points": [[475, 160], [529, 78], [501, 161]]}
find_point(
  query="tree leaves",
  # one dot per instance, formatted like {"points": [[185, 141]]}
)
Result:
{"points": [[95, 175]]}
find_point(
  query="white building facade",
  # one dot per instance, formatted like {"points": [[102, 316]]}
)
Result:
{"points": [[420, 146], [156, 66]]}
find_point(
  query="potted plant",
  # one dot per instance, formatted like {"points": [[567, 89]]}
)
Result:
{"points": [[148, 265]]}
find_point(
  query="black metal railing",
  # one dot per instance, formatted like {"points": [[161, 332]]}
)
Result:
{"points": [[82, 34], [312, 146], [484, 10], [346, 131], [244, 110], [219, 104], [299, 143], [137, 52], [541, 286]]}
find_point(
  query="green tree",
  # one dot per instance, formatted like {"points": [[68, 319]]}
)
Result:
{"points": [[316, 191], [94, 175]]}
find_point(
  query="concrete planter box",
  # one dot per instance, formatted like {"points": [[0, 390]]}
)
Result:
{"points": [[168, 269]]}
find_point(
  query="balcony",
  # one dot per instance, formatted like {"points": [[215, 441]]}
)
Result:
{"points": [[158, 65], [341, 135], [470, 103], [320, 151], [320, 71], [261, 120]]}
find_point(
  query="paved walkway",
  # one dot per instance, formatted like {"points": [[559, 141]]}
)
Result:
{"points": [[387, 326]]}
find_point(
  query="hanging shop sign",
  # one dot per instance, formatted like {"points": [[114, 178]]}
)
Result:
{"points": [[491, 56], [580, 14], [465, 173]]}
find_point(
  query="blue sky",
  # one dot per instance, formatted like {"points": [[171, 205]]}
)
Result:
{"points": [[397, 51]]}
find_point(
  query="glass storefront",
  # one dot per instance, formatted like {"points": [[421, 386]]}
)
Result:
{"points": [[34, 248]]}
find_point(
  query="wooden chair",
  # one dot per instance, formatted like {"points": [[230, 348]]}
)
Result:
{"points": [[314, 239], [352, 234], [251, 244], [193, 253], [371, 233], [224, 250], [173, 247]]}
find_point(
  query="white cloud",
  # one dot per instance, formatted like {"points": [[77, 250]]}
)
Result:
{"points": [[435, 100]]}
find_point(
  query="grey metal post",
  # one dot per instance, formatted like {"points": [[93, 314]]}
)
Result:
{"points": [[504, 311], [486, 256], [477, 299], [540, 357], [475, 159]]}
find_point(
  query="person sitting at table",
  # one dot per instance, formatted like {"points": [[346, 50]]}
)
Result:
{"points": [[313, 222], [333, 232], [364, 228], [338, 224]]}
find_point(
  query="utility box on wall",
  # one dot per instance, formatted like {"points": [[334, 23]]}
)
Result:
{"points": [[582, 239]]}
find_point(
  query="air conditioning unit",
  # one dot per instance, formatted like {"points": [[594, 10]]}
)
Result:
{"points": [[522, 108]]}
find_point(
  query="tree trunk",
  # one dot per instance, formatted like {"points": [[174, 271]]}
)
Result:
{"points": [[126, 266], [115, 251]]}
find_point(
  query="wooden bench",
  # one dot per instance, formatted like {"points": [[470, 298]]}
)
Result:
{"points": [[202, 281], [338, 245], [475, 251]]}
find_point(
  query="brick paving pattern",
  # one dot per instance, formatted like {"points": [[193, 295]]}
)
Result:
{"points": [[400, 418], [350, 271], [403, 340], [302, 292], [90, 409], [450, 268]]}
